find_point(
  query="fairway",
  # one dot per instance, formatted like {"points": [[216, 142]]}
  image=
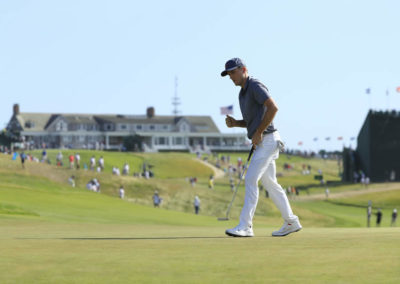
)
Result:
{"points": [[105, 253]]}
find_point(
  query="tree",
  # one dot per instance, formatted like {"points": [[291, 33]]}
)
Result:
{"points": [[6, 138]]}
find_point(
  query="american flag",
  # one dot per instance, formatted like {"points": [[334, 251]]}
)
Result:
{"points": [[227, 110]]}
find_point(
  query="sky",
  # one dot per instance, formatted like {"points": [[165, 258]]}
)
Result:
{"points": [[317, 59]]}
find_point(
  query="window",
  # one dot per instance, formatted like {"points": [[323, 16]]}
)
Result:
{"points": [[123, 127], [184, 127], [108, 127], [152, 127], [29, 124], [67, 139], [139, 127], [59, 126], [178, 140], [162, 141]]}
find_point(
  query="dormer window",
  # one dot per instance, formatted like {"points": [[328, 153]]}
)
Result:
{"points": [[29, 124], [59, 126]]}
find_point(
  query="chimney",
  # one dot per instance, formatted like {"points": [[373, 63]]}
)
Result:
{"points": [[150, 112], [16, 109]]}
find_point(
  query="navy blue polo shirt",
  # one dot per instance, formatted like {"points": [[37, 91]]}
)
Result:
{"points": [[251, 99]]}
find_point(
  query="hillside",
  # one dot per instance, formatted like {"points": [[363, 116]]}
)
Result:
{"points": [[171, 179]]}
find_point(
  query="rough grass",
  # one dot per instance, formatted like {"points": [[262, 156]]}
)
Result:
{"points": [[178, 195]]}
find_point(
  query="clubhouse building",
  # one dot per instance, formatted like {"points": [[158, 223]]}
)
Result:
{"points": [[97, 131]]}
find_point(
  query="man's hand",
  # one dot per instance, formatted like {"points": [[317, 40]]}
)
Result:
{"points": [[230, 121], [256, 139]]}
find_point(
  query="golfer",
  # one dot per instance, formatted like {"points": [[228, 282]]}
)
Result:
{"points": [[258, 110]]}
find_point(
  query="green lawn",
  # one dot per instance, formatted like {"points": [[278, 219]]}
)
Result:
{"points": [[53, 233], [42, 252]]}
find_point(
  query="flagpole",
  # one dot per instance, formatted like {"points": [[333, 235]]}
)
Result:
{"points": [[387, 99], [368, 91]]}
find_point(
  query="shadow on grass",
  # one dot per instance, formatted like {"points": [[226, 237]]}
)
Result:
{"points": [[133, 238]]}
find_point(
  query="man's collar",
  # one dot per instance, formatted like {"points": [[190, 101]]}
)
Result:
{"points": [[243, 90]]}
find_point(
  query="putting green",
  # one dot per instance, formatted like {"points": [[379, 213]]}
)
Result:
{"points": [[42, 252]]}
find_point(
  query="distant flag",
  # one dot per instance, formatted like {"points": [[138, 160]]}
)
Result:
{"points": [[328, 138], [387, 92], [368, 91], [300, 143], [315, 139], [340, 138], [398, 89], [227, 110], [352, 138]]}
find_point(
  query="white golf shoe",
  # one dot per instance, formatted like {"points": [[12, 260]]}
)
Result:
{"points": [[240, 232], [287, 228]]}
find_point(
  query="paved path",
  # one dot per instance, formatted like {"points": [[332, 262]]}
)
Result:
{"points": [[218, 173]]}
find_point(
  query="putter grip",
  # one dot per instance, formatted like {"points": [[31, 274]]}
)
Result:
{"points": [[251, 153]]}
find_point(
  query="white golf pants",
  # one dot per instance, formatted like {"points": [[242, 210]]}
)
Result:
{"points": [[262, 166]]}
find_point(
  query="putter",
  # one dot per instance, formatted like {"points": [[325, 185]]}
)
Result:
{"points": [[237, 186]]}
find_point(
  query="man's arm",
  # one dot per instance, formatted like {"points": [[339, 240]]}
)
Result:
{"points": [[272, 109], [231, 122]]}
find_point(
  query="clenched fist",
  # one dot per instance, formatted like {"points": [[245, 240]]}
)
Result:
{"points": [[230, 121]]}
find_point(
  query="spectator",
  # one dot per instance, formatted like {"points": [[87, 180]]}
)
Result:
{"points": [[327, 192], [71, 161], [97, 185], [101, 163], [156, 199], [92, 163], [211, 182], [394, 217], [378, 217], [59, 159], [232, 184], [93, 185], [196, 204], [44, 155], [78, 161], [369, 213], [392, 175], [125, 170], [367, 181], [116, 171], [71, 181], [23, 158], [121, 192], [239, 162], [90, 185]]}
